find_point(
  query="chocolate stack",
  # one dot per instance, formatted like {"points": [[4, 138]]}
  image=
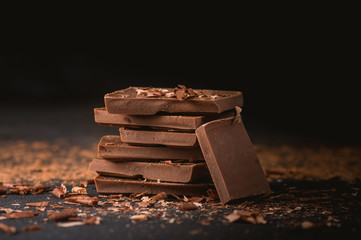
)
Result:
{"points": [[176, 141]]}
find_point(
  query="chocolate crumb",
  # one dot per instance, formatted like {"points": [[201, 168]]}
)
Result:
{"points": [[188, 206], [7, 229]]}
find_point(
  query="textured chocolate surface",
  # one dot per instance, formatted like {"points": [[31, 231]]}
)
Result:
{"points": [[160, 121], [138, 101], [163, 171], [168, 138], [231, 159], [111, 147], [123, 185]]}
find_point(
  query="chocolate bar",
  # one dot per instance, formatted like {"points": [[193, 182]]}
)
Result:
{"points": [[231, 159], [161, 121], [168, 138], [181, 122], [149, 101], [123, 185], [162, 171], [111, 147]]}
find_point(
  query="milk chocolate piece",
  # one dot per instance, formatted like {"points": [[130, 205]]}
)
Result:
{"points": [[111, 147], [231, 160], [161, 121], [168, 138], [138, 101], [122, 185], [169, 172]]}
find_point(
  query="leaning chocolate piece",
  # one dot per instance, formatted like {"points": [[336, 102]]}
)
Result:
{"points": [[122, 185], [149, 101], [162, 171], [111, 147], [231, 160], [152, 137]]}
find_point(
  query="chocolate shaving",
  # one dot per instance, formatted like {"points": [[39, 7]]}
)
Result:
{"points": [[37, 204], [21, 189], [159, 196], [58, 192], [145, 204], [32, 228], [237, 117], [87, 201], [197, 199], [89, 220], [7, 229], [63, 215], [183, 92], [188, 206], [245, 216], [140, 217], [138, 195], [315, 199], [78, 190], [22, 214], [115, 196]]}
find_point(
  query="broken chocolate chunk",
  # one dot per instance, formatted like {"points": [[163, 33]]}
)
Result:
{"points": [[127, 101]]}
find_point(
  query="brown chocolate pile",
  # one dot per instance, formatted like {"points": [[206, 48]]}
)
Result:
{"points": [[181, 141]]}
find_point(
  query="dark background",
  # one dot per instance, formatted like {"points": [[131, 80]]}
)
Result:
{"points": [[297, 73], [300, 94]]}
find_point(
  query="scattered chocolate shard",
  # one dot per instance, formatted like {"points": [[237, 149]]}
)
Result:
{"points": [[21, 189], [138, 195], [70, 224], [159, 196], [114, 196], [7, 229], [63, 215], [140, 217], [307, 225], [58, 192], [145, 204], [316, 199], [57, 206], [184, 93], [6, 210], [64, 188], [21, 214], [79, 190], [197, 199], [90, 220], [37, 204], [31, 228], [188, 206], [91, 201], [245, 216]]}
